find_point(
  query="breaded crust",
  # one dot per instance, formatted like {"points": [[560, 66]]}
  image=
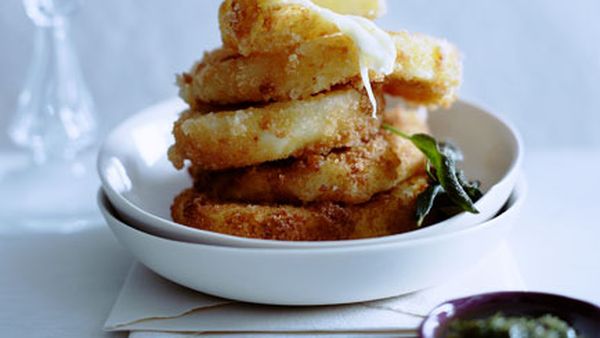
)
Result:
{"points": [[233, 139], [349, 175], [411, 121], [223, 76], [427, 71], [262, 26], [388, 213]]}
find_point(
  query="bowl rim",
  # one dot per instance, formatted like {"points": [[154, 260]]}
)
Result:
{"points": [[515, 202], [514, 168]]}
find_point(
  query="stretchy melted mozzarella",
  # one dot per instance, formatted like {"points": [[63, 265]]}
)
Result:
{"points": [[377, 51]]}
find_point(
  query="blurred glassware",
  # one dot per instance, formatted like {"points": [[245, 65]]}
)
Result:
{"points": [[54, 189]]}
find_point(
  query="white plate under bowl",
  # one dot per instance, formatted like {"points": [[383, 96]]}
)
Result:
{"points": [[141, 183], [315, 276]]}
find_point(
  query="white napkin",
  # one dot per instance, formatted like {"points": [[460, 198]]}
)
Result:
{"points": [[152, 307]]}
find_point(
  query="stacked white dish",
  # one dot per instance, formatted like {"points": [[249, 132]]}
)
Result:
{"points": [[139, 184]]}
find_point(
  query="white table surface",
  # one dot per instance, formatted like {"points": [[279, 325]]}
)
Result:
{"points": [[64, 285]]}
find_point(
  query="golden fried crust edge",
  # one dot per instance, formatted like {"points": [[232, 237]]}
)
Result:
{"points": [[428, 71], [349, 175], [233, 139], [386, 214]]}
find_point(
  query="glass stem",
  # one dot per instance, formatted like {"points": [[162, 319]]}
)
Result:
{"points": [[54, 117]]}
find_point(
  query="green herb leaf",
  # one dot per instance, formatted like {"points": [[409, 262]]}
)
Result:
{"points": [[471, 187], [442, 170], [430, 172], [428, 146], [452, 150], [425, 202], [448, 178]]}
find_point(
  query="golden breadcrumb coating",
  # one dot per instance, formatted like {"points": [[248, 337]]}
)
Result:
{"points": [[280, 134], [262, 26], [223, 76], [385, 214], [427, 71], [349, 175], [233, 139]]}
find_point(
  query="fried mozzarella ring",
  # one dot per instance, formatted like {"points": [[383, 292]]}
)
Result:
{"points": [[239, 138], [261, 26], [385, 214], [427, 72], [225, 77], [349, 175]]}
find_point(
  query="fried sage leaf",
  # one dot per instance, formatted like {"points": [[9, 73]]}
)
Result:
{"points": [[443, 173], [425, 202], [471, 187], [447, 175]]}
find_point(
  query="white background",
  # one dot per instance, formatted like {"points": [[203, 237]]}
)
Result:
{"points": [[536, 61]]}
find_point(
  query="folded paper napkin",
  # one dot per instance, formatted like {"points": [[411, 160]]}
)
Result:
{"points": [[152, 307]]}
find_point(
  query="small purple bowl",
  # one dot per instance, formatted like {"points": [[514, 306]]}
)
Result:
{"points": [[582, 316]]}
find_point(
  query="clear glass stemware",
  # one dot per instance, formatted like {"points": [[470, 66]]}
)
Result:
{"points": [[54, 122]]}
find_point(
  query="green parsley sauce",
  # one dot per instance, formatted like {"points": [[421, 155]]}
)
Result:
{"points": [[500, 326]]}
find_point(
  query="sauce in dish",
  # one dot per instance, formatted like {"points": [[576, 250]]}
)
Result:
{"points": [[512, 315], [499, 325]]}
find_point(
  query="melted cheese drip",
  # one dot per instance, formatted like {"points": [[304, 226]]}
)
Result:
{"points": [[377, 51]]}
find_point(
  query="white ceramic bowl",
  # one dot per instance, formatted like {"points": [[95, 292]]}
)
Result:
{"points": [[315, 276], [141, 183]]}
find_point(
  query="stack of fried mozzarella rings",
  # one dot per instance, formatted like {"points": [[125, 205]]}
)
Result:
{"points": [[279, 134]]}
